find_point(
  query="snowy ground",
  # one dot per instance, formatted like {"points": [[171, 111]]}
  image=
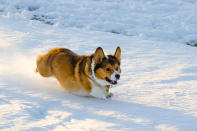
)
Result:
{"points": [[157, 91]]}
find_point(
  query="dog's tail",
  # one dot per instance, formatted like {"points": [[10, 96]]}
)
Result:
{"points": [[44, 66]]}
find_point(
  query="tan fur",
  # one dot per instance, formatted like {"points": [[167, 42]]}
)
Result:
{"points": [[59, 63], [117, 54], [102, 73], [71, 70]]}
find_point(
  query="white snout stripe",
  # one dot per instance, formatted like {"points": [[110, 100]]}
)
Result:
{"points": [[113, 76]]}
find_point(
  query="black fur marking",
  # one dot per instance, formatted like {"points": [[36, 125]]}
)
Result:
{"points": [[98, 66], [62, 50], [101, 65], [82, 65], [72, 58], [111, 60], [74, 63]]}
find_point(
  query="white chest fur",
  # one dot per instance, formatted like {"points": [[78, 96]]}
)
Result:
{"points": [[98, 91]]}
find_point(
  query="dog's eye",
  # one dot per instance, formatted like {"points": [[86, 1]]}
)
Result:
{"points": [[107, 69]]}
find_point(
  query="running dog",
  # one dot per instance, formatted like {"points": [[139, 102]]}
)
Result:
{"points": [[84, 75]]}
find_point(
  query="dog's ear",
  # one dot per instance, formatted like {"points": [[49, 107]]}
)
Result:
{"points": [[98, 55], [117, 54]]}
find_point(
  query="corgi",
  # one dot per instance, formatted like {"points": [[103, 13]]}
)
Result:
{"points": [[84, 75]]}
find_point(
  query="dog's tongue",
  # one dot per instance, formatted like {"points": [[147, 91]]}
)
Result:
{"points": [[113, 82]]}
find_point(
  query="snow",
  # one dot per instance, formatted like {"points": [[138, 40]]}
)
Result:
{"points": [[157, 90]]}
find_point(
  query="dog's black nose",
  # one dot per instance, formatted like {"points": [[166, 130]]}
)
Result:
{"points": [[117, 76]]}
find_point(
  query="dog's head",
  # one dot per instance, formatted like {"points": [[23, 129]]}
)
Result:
{"points": [[107, 67]]}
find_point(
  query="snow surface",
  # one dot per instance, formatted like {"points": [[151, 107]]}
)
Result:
{"points": [[157, 90]]}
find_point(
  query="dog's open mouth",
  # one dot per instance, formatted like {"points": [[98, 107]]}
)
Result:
{"points": [[113, 82]]}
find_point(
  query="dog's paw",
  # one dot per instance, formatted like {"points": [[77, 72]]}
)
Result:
{"points": [[109, 95]]}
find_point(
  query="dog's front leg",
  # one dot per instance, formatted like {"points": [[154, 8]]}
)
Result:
{"points": [[99, 92], [109, 94]]}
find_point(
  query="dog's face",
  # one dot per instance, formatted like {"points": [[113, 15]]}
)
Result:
{"points": [[107, 68]]}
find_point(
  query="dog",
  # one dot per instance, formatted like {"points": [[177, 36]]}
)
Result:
{"points": [[84, 75]]}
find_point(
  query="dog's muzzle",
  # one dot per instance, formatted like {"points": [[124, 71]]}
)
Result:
{"points": [[113, 82]]}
